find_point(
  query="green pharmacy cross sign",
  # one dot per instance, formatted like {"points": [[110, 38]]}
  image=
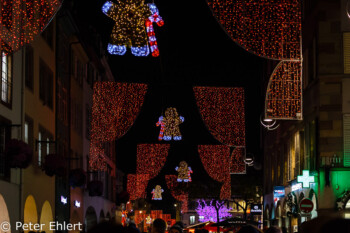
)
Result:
{"points": [[306, 179]]}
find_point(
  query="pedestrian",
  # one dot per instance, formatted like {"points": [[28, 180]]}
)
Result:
{"points": [[273, 229], [249, 229], [131, 228], [175, 229], [158, 226]]}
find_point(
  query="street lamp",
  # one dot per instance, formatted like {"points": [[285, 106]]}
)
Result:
{"points": [[269, 124]]}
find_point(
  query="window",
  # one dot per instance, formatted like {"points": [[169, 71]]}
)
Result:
{"points": [[28, 131], [88, 122], [6, 78], [47, 34], [45, 141], [39, 149], [46, 84], [47, 146], [192, 219], [29, 67], [5, 135], [201, 218]]}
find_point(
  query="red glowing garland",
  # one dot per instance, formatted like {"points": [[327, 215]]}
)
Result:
{"points": [[114, 110], [222, 110], [284, 92], [215, 159], [151, 158], [270, 29], [21, 21], [237, 165], [171, 181], [136, 185]]}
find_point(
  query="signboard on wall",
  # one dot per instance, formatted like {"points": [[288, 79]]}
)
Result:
{"points": [[255, 209], [278, 191]]}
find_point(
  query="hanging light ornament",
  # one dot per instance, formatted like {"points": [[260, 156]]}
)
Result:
{"points": [[169, 125], [154, 18], [269, 124], [21, 21], [157, 193], [184, 172], [270, 29]]}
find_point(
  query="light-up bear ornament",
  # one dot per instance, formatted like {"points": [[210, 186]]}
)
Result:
{"points": [[157, 193], [184, 172], [169, 125]]}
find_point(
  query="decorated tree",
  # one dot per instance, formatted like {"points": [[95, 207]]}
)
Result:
{"points": [[214, 211]]}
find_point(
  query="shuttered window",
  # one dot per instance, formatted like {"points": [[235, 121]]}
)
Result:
{"points": [[346, 46], [346, 132]]}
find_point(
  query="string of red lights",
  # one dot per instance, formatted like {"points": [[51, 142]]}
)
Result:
{"points": [[179, 195]]}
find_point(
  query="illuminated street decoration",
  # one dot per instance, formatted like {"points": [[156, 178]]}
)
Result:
{"points": [[215, 159], [237, 164], [148, 220], [178, 194], [209, 212], [184, 172], [136, 185], [154, 18], [115, 108], [64, 200], [151, 158], [129, 29], [306, 179], [21, 21], [270, 29], [222, 110], [157, 193], [169, 125]]}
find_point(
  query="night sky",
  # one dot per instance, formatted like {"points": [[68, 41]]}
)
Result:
{"points": [[194, 50]]}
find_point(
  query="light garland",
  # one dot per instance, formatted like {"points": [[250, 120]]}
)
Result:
{"points": [[129, 29], [237, 165], [178, 194], [154, 18], [151, 158], [222, 110], [215, 159], [157, 193], [208, 212], [270, 29], [284, 92], [169, 125], [21, 21], [114, 110], [184, 172], [136, 185]]}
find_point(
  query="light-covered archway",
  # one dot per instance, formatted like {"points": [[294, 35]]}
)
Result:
{"points": [[267, 216], [90, 218], [75, 219], [102, 216], [4, 214], [30, 214], [46, 217], [279, 214]]}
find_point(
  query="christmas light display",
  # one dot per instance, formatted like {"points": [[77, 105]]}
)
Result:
{"points": [[208, 212], [148, 220], [169, 125], [114, 110], [222, 110], [157, 193], [306, 179], [270, 29], [136, 185], [215, 159], [178, 194], [237, 165], [154, 18], [151, 158], [21, 21], [284, 92], [184, 172], [129, 30]]}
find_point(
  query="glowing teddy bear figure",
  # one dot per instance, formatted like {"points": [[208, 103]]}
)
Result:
{"points": [[129, 30], [154, 18], [157, 193], [184, 172], [169, 125]]}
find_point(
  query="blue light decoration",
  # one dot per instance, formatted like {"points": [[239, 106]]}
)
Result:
{"points": [[64, 200], [169, 125], [154, 18], [306, 179], [129, 30], [184, 172], [157, 193]]}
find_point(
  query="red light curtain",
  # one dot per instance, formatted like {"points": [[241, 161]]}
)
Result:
{"points": [[21, 21], [237, 165], [136, 185], [114, 110], [171, 181], [151, 158], [216, 160], [270, 29], [222, 110], [284, 92]]}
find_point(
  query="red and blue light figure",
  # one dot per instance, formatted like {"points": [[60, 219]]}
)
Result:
{"points": [[154, 18], [162, 126]]}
